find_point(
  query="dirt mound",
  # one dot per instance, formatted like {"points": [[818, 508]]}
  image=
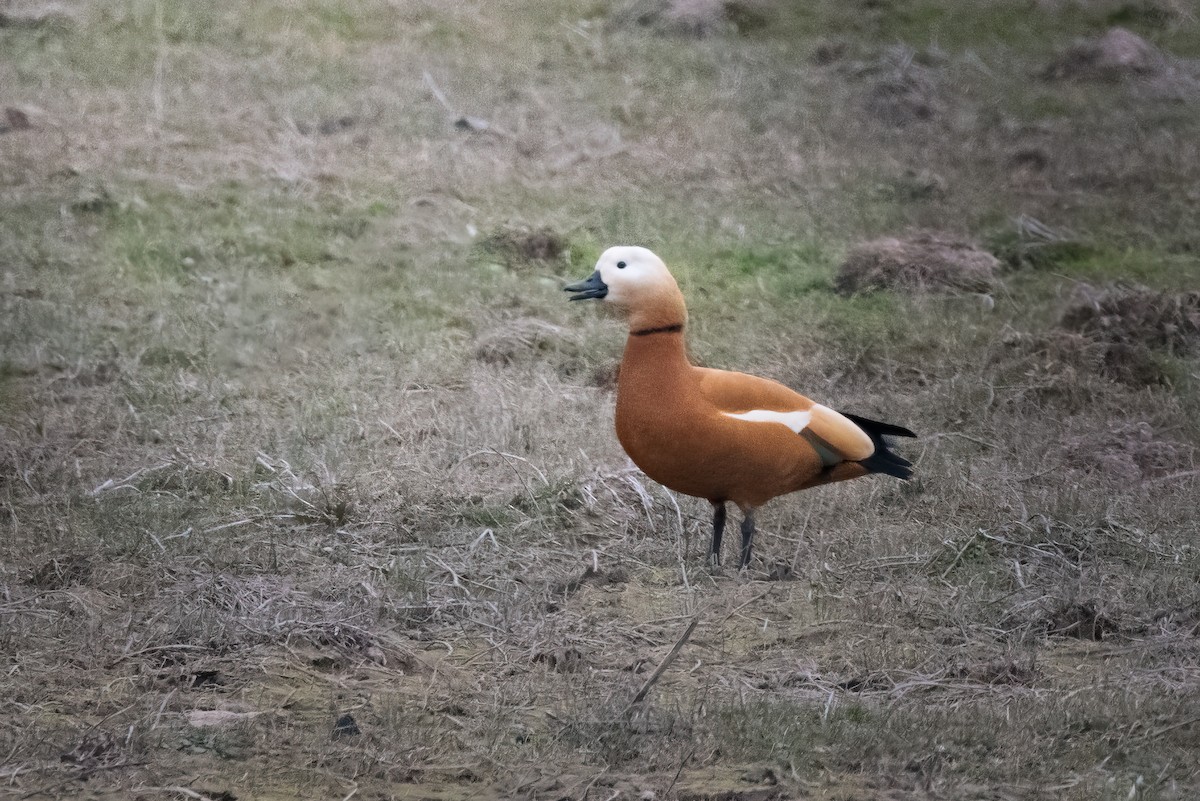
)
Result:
{"points": [[902, 89], [1059, 362], [1127, 453], [1021, 671], [698, 18], [1064, 358], [1079, 620], [15, 119], [518, 247], [924, 261], [62, 572], [1122, 332], [1115, 56], [519, 339], [1121, 55], [1136, 316], [49, 16]]}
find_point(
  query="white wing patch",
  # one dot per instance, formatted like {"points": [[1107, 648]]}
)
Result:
{"points": [[797, 421]]}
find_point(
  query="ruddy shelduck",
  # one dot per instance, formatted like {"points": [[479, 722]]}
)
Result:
{"points": [[714, 434]]}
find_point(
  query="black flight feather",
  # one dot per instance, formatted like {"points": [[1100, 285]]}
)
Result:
{"points": [[883, 460]]}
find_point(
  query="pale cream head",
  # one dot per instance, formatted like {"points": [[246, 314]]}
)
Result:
{"points": [[641, 285]]}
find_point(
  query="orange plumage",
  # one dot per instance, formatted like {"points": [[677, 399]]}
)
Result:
{"points": [[714, 434]]}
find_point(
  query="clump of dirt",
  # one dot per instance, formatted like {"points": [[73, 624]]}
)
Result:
{"points": [[15, 119], [916, 186], [1127, 453], [329, 126], [1122, 56], [562, 660], [94, 198], [921, 262], [600, 578], [1121, 332], [1060, 360], [49, 16], [62, 572], [345, 726], [1152, 13], [1054, 367], [1001, 670], [1135, 365], [1117, 55], [522, 247], [902, 88], [829, 52], [1080, 620], [97, 750], [605, 376], [697, 18], [1135, 317], [519, 340]]}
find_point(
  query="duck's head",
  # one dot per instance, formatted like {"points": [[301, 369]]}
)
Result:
{"points": [[637, 283]]}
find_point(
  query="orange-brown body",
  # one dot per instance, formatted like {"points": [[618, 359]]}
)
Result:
{"points": [[715, 434], [671, 421]]}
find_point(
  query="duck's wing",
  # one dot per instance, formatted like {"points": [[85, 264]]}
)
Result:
{"points": [[835, 437]]}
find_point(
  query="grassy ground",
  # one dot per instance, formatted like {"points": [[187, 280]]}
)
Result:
{"points": [[292, 428]]}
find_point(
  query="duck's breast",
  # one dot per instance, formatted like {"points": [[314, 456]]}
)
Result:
{"points": [[679, 438]]}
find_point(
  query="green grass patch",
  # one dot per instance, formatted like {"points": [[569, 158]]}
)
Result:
{"points": [[787, 271], [1097, 264], [155, 236]]}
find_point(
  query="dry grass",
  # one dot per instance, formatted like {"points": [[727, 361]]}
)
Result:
{"points": [[923, 261], [307, 481]]}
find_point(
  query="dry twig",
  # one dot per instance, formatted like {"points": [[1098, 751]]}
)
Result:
{"points": [[666, 663]]}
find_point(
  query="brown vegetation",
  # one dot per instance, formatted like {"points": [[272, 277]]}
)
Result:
{"points": [[926, 261], [1133, 315], [520, 247]]}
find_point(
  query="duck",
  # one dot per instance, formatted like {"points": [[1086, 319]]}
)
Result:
{"points": [[722, 436]]}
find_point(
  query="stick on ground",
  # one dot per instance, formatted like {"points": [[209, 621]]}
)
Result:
{"points": [[666, 663]]}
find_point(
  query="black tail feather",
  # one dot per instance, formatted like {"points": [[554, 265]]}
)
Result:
{"points": [[883, 460], [874, 427]]}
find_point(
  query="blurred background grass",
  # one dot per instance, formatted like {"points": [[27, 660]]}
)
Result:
{"points": [[297, 423]]}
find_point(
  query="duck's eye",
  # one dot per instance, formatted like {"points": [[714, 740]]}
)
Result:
{"points": [[620, 265]]}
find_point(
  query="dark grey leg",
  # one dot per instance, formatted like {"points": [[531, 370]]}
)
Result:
{"points": [[747, 537], [714, 555]]}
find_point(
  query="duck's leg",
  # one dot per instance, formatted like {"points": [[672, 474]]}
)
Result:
{"points": [[747, 536], [714, 555]]}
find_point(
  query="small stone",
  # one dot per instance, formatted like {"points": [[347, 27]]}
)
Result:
{"points": [[761, 775], [345, 727]]}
